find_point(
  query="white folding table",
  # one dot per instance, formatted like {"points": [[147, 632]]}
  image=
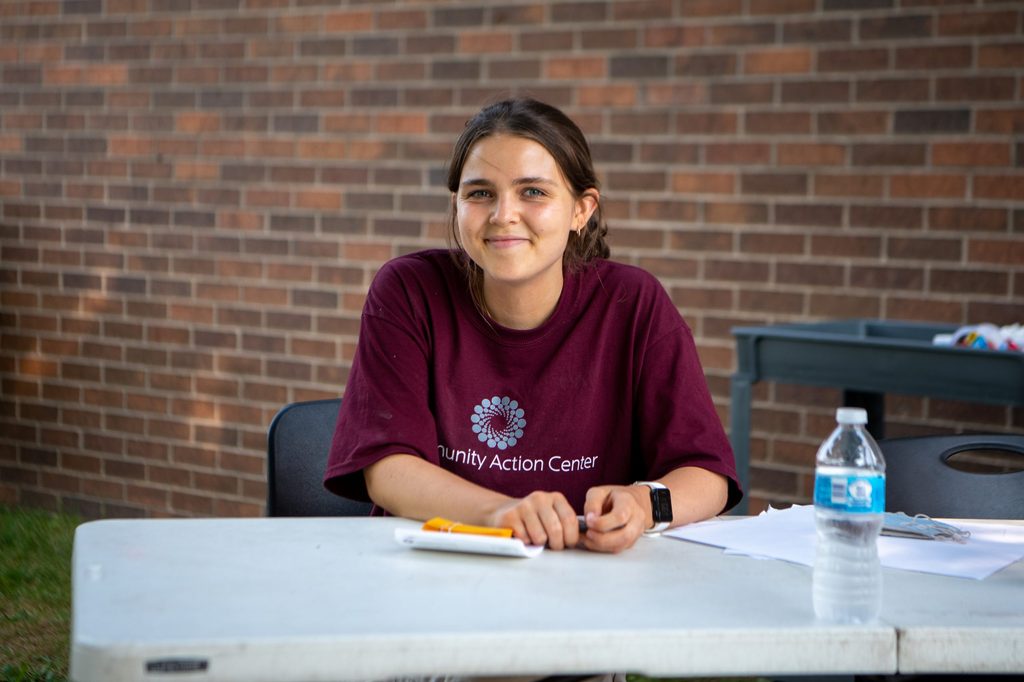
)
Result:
{"points": [[290, 599]]}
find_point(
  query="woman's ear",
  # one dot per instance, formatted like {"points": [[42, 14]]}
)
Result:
{"points": [[586, 204]]}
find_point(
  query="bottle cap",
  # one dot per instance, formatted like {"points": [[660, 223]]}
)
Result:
{"points": [[852, 415]]}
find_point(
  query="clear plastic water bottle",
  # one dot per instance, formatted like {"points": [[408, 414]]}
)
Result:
{"points": [[849, 503]]}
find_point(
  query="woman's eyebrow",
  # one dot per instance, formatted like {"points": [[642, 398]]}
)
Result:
{"points": [[534, 180]]}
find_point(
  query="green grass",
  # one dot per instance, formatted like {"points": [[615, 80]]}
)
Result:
{"points": [[35, 594], [35, 597]]}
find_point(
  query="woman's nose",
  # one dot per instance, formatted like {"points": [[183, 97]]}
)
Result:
{"points": [[505, 211]]}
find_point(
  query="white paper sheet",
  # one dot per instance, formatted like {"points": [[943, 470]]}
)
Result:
{"points": [[789, 535]]}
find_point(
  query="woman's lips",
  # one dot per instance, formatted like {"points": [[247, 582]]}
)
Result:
{"points": [[505, 242]]}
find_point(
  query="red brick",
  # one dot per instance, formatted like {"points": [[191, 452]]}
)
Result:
{"points": [[676, 94], [761, 243], [962, 281], [483, 42], [884, 216], [776, 123], [725, 93], [772, 302], [1009, 187], [924, 309], [1005, 251], [815, 215], [971, 154], [737, 270], [704, 183], [60, 482], [695, 64], [968, 219], [671, 35], [558, 68], [742, 34], [978, 23], [892, 90], [723, 212], [348, 21], [811, 154], [318, 199], [975, 89], [738, 153], [923, 249], [934, 57], [190, 504], [773, 183], [810, 274], [884, 154], [783, 7], [999, 121], [853, 60], [928, 186], [777, 61], [608, 95], [1001, 56], [637, 239], [883, 277]]}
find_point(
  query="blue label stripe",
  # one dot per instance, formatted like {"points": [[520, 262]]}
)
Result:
{"points": [[857, 494]]}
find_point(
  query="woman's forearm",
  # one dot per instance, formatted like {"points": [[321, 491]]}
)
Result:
{"points": [[409, 486], [697, 494]]}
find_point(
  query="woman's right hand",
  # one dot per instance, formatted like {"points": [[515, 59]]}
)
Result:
{"points": [[540, 518]]}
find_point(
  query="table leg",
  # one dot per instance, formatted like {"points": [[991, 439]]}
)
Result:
{"points": [[739, 414]]}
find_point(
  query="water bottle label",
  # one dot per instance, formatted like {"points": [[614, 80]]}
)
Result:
{"points": [[864, 494]]}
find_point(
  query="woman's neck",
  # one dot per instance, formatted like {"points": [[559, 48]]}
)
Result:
{"points": [[517, 307]]}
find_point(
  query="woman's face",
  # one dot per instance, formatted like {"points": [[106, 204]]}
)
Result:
{"points": [[514, 212]]}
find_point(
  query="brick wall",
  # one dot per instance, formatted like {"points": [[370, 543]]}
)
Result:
{"points": [[196, 194]]}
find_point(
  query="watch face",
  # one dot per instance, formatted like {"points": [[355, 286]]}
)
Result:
{"points": [[661, 505]]}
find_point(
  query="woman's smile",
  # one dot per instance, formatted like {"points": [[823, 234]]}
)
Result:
{"points": [[505, 242]]}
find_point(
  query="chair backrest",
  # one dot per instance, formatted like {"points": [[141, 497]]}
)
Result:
{"points": [[919, 480], [298, 442]]}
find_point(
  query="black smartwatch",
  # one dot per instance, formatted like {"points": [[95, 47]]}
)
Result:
{"points": [[661, 506]]}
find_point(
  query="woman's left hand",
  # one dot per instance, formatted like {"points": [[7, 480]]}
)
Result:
{"points": [[616, 516]]}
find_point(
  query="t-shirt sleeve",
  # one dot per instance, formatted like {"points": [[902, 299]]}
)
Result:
{"points": [[385, 409], [677, 422]]}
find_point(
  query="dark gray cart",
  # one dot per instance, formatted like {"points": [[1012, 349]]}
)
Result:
{"points": [[866, 359]]}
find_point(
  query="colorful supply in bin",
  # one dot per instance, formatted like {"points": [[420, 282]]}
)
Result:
{"points": [[985, 337]]}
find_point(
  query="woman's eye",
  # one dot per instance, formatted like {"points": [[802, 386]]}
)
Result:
{"points": [[477, 194], [533, 192]]}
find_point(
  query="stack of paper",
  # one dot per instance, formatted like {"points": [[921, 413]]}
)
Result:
{"points": [[790, 535]]}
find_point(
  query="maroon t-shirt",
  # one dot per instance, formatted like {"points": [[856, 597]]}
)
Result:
{"points": [[609, 390]]}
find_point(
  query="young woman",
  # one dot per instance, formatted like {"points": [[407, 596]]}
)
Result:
{"points": [[522, 378]]}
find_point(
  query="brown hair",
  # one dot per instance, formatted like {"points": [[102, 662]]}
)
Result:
{"points": [[562, 138]]}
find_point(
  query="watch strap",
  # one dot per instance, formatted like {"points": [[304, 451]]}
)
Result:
{"points": [[661, 506]]}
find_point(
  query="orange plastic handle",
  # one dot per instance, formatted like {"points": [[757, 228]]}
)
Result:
{"points": [[446, 526]]}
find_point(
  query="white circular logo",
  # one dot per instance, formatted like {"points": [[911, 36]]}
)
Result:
{"points": [[860, 491], [499, 422]]}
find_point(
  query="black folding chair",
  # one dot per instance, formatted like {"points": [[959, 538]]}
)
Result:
{"points": [[298, 442], [920, 480]]}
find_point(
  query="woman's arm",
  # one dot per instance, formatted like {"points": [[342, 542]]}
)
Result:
{"points": [[697, 494], [409, 486], [618, 515]]}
